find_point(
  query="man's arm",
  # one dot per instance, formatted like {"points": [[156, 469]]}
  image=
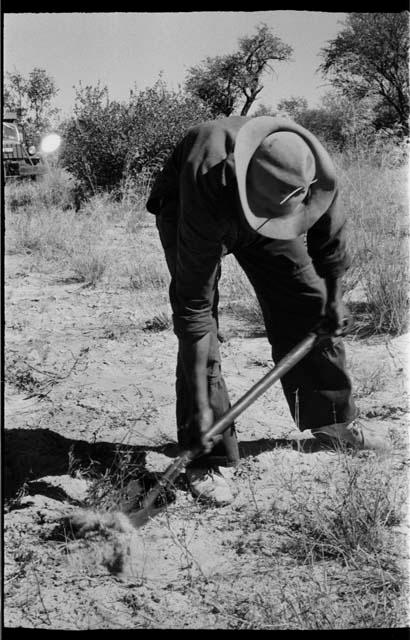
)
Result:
{"points": [[327, 246], [195, 360]]}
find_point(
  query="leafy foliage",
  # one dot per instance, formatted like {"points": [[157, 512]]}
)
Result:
{"points": [[94, 142], [220, 82], [159, 118], [340, 122], [107, 142], [32, 97], [327, 124], [369, 57]]}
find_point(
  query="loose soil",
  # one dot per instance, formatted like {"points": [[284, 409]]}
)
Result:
{"points": [[89, 395]]}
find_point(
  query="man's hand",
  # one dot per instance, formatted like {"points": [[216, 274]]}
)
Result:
{"points": [[200, 424], [336, 317]]}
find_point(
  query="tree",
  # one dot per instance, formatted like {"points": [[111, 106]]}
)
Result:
{"points": [[222, 82], [325, 123], [369, 57], [32, 97], [294, 106], [15, 91], [40, 90]]}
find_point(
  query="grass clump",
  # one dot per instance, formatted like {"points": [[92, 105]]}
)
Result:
{"points": [[325, 554], [74, 239], [160, 322], [42, 232], [122, 484], [375, 201], [89, 263], [148, 272], [355, 517], [58, 188]]}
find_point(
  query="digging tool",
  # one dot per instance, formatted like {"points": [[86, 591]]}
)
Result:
{"points": [[178, 466]]}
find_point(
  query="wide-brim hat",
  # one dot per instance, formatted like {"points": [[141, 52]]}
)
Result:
{"points": [[288, 214]]}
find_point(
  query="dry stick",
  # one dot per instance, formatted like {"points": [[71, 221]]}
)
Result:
{"points": [[41, 597], [184, 546], [55, 378]]}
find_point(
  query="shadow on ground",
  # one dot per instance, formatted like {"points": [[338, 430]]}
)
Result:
{"points": [[31, 454]]}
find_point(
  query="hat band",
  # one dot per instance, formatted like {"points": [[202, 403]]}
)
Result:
{"points": [[294, 192]]}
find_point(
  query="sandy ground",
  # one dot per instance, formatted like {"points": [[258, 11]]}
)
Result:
{"points": [[83, 383]]}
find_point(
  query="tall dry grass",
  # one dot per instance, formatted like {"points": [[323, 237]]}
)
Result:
{"points": [[374, 195], [112, 238], [57, 189]]}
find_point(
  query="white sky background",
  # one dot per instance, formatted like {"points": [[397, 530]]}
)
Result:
{"points": [[124, 49]]}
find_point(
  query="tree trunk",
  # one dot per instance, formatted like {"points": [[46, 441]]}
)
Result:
{"points": [[250, 99], [249, 102]]}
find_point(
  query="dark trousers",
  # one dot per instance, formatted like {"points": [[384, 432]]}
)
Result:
{"points": [[292, 298]]}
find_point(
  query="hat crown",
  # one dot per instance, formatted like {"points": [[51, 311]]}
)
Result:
{"points": [[285, 157]]}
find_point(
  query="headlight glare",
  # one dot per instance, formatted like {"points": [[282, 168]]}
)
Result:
{"points": [[50, 143]]}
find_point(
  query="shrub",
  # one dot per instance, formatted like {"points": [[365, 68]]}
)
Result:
{"points": [[106, 141]]}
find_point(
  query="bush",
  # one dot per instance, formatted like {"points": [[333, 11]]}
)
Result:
{"points": [[106, 142]]}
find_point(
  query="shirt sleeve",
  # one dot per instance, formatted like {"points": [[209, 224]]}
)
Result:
{"points": [[327, 242]]}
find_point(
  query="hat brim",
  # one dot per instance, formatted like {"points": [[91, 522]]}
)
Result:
{"points": [[304, 216]]}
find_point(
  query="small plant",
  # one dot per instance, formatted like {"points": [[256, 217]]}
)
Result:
{"points": [[148, 273], [23, 378], [38, 381], [89, 265], [369, 380], [363, 500], [133, 194], [123, 485], [19, 194], [159, 322]]}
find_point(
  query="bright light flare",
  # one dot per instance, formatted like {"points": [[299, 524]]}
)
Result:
{"points": [[50, 143]]}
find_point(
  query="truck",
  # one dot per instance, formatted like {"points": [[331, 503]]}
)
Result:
{"points": [[19, 160]]}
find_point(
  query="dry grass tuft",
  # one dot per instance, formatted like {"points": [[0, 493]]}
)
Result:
{"points": [[56, 189], [375, 201]]}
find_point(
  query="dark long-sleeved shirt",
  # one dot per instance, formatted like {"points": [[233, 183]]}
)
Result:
{"points": [[197, 193]]}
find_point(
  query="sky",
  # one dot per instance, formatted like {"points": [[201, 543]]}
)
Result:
{"points": [[124, 50]]}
